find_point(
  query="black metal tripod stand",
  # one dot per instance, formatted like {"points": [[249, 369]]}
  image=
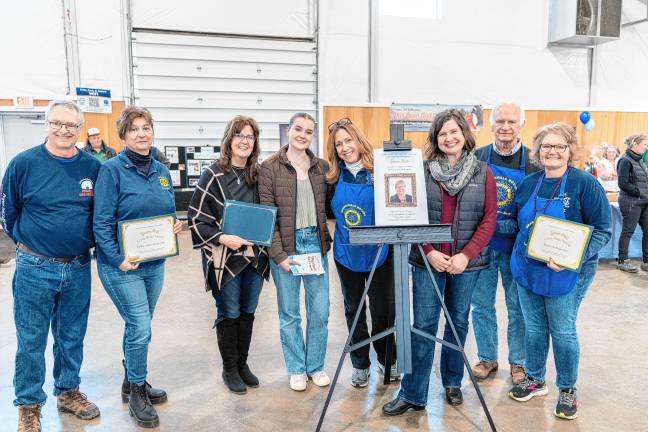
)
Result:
{"points": [[401, 237]]}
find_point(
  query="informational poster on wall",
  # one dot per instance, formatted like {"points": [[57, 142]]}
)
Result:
{"points": [[399, 188], [94, 100], [418, 117]]}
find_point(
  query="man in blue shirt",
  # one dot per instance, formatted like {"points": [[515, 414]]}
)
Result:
{"points": [[46, 208], [509, 161]]}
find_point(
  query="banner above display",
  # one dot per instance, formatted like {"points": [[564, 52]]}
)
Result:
{"points": [[418, 117], [94, 100]]}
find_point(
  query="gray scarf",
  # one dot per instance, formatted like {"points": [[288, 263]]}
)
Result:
{"points": [[453, 179]]}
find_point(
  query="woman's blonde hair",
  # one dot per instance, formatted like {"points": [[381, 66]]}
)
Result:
{"points": [[634, 139], [364, 148]]}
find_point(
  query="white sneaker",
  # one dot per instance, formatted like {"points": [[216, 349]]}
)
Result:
{"points": [[298, 382], [320, 379]]}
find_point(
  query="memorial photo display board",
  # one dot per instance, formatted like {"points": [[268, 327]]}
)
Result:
{"points": [[188, 163], [399, 188]]}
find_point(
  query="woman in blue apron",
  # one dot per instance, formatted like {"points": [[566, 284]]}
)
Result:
{"points": [[351, 202], [550, 295]]}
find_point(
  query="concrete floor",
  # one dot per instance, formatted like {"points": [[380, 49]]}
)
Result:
{"points": [[184, 360]]}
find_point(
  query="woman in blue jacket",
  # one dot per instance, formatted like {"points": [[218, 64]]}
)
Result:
{"points": [[133, 185], [351, 202], [550, 295]]}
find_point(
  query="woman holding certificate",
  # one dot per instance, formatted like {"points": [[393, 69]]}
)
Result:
{"points": [[351, 202], [461, 191], [234, 268], [133, 186], [294, 181], [569, 200]]}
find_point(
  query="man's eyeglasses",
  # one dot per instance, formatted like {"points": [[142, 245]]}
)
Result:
{"points": [[249, 138], [558, 148], [57, 125], [342, 122]]}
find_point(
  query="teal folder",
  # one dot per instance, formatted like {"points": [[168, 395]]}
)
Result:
{"points": [[252, 222]]}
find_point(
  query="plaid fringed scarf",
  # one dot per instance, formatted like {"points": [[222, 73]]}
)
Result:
{"points": [[205, 214]]}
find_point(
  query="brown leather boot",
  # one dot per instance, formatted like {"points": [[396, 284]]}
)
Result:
{"points": [[517, 374], [29, 418], [75, 402], [483, 369]]}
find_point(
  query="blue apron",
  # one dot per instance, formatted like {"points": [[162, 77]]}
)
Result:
{"points": [[353, 206], [532, 274], [507, 180]]}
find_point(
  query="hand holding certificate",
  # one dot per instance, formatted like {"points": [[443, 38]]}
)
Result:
{"points": [[148, 239], [559, 240]]}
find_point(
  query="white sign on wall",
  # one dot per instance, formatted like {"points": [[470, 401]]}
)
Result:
{"points": [[94, 100], [399, 188]]}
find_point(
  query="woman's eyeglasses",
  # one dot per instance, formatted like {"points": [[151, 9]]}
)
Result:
{"points": [[342, 122], [558, 148]]}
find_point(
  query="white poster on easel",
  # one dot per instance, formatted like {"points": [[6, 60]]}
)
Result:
{"points": [[399, 188]]}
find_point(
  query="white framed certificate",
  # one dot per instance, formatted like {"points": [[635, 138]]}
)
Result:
{"points": [[148, 238], [561, 240]]}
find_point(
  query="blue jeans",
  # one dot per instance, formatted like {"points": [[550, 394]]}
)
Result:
{"points": [[457, 291], [300, 357], [45, 292], [483, 311], [135, 294], [555, 316], [240, 294]]}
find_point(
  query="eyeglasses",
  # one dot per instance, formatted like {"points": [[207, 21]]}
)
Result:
{"points": [[342, 122], [249, 138], [558, 148], [57, 125]]}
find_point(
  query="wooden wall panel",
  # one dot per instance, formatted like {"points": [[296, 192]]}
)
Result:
{"points": [[611, 127], [105, 122]]}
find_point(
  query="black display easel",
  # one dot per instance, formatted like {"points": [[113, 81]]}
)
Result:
{"points": [[401, 237]]}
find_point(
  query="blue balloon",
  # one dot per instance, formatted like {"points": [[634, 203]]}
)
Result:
{"points": [[585, 117], [590, 125]]}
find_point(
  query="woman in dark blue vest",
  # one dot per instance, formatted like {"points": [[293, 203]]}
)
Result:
{"points": [[351, 201], [549, 294]]}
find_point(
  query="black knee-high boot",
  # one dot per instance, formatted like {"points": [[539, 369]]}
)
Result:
{"points": [[246, 322], [227, 333]]}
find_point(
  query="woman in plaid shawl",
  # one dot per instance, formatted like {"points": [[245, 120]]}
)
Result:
{"points": [[234, 268]]}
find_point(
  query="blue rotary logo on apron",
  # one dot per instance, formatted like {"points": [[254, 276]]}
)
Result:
{"points": [[506, 189]]}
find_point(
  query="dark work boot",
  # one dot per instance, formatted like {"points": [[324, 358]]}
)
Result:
{"points": [[156, 396], [246, 321], [227, 333], [140, 407]]}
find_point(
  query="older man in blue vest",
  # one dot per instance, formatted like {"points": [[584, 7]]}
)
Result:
{"points": [[509, 161]]}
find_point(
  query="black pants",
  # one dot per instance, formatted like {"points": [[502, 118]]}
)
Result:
{"points": [[633, 213], [381, 307]]}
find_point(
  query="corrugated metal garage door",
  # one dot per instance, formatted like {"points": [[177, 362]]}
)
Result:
{"points": [[194, 84]]}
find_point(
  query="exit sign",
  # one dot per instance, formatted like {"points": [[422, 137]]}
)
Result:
{"points": [[23, 102]]}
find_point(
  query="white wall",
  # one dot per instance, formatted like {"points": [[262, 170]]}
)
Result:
{"points": [[478, 52]]}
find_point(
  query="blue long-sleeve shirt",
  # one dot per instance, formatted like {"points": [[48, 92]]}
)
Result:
{"points": [[123, 193], [47, 202], [585, 202]]}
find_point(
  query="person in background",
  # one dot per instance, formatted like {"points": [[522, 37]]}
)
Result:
{"points": [[606, 169], [234, 268], [131, 186], [460, 191], [550, 295], [508, 160], [96, 146], [592, 161], [350, 200], [47, 205], [294, 180], [633, 199]]}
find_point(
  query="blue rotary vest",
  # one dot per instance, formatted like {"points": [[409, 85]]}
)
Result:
{"points": [[507, 180], [531, 274], [353, 206]]}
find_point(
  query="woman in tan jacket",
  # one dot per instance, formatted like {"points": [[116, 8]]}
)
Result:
{"points": [[294, 180]]}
